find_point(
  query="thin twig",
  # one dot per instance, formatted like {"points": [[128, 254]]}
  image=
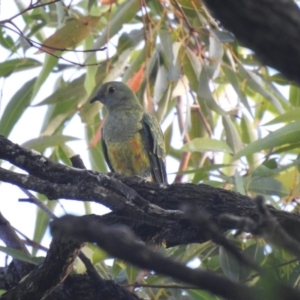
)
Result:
{"points": [[31, 242], [30, 7], [32, 199]]}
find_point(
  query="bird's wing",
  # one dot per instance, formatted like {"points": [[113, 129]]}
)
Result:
{"points": [[105, 153], [153, 139]]}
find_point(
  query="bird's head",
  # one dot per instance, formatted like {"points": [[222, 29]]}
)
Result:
{"points": [[115, 95]]}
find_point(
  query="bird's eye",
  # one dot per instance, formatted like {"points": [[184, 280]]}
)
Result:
{"points": [[111, 89]]}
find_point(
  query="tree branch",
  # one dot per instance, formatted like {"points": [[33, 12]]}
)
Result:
{"points": [[270, 28], [122, 244], [149, 209]]}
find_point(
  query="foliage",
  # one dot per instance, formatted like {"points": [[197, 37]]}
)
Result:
{"points": [[238, 118]]}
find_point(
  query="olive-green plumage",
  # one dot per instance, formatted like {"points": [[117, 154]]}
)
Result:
{"points": [[132, 141]]}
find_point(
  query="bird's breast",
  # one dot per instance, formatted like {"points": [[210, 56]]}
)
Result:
{"points": [[122, 126], [129, 157]]}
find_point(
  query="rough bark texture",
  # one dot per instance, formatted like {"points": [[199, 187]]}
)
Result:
{"points": [[269, 27], [54, 269], [154, 212]]}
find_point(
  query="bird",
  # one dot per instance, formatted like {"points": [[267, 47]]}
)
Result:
{"points": [[132, 140]]}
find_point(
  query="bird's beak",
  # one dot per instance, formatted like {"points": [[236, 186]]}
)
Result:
{"points": [[94, 99]]}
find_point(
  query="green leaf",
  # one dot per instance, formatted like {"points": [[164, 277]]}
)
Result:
{"points": [[98, 254], [289, 116], [19, 64], [163, 104], [234, 81], [201, 295], [192, 68], [17, 254], [119, 64], [255, 83], [215, 53], [130, 39], [268, 186], [248, 135], [229, 264], [43, 142], [247, 130], [95, 154], [206, 144], [137, 59], [279, 79], [187, 4], [288, 134], [123, 15], [203, 173], [64, 153], [256, 252], [15, 108], [56, 122], [263, 171], [90, 78], [167, 49], [48, 65], [239, 183], [161, 84], [132, 273], [232, 136], [205, 95], [66, 92], [294, 96], [71, 34], [6, 40], [222, 35]]}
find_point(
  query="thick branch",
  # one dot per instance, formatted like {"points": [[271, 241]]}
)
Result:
{"points": [[151, 210], [12, 240], [269, 27], [122, 244], [51, 272]]}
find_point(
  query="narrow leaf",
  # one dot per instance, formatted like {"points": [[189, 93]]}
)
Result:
{"points": [[267, 186], [17, 254], [206, 144], [229, 264], [232, 136], [19, 64], [124, 14], [43, 142], [70, 35], [294, 96], [288, 134], [256, 84], [48, 65], [289, 116], [15, 108]]}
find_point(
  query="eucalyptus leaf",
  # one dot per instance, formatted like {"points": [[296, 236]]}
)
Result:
{"points": [[43, 142], [268, 186], [16, 107], [17, 254], [19, 64], [206, 144], [285, 135]]}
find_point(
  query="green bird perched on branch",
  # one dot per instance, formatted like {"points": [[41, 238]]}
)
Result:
{"points": [[132, 140]]}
